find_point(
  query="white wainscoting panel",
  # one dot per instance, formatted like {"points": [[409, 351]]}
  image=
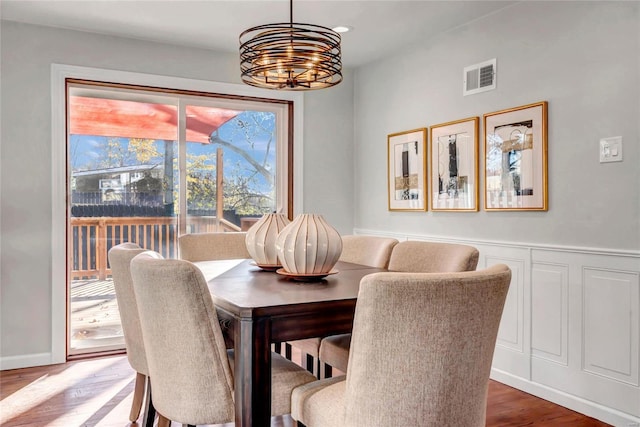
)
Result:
{"points": [[511, 332], [610, 301], [570, 330], [513, 344], [549, 311], [602, 333]]}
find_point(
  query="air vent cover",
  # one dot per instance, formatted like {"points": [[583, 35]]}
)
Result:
{"points": [[479, 77]]}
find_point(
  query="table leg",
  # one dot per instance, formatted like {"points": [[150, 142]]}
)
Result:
{"points": [[253, 373]]}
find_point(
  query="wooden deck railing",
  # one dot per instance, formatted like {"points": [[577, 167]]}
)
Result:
{"points": [[91, 238]]}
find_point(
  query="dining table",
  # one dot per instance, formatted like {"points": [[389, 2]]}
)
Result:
{"points": [[259, 307]]}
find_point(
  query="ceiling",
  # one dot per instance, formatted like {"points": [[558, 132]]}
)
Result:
{"points": [[379, 27]]}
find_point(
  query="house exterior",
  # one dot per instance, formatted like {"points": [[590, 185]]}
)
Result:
{"points": [[571, 328], [125, 185]]}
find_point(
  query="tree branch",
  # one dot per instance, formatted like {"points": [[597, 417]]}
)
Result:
{"points": [[261, 169]]}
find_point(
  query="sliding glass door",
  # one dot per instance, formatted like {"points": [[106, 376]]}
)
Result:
{"points": [[147, 165]]}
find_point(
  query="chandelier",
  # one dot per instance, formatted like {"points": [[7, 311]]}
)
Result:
{"points": [[290, 56]]}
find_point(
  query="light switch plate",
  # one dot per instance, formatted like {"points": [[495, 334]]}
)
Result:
{"points": [[611, 149]]}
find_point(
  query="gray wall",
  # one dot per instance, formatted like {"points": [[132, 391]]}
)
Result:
{"points": [[27, 53], [581, 57]]}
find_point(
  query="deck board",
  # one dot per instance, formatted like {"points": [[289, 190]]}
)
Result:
{"points": [[94, 315]]}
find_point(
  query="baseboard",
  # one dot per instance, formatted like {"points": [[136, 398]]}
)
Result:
{"points": [[24, 360], [575, 403]]}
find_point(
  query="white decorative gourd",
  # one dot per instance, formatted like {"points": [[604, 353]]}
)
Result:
{"points": [[261, 239], [309, 245]]}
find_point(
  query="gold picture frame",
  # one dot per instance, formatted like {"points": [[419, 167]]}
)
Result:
{"points": [[406, 170], [454, 166], [515, 153]]}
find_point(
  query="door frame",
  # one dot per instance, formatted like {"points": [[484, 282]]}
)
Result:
{"points": [[59, 74]]}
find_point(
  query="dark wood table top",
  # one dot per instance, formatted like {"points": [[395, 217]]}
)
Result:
{"points": [[247, 290]]}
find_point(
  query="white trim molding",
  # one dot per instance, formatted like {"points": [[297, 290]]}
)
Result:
{"points": [[570, 329], [25, 360], [59, 74]]}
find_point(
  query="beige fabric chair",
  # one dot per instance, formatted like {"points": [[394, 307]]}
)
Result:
{"points": [[439, 332], [196, 247], [212, 246], [120, 257], [432, 257], [409, 256], [373, 251], [188, 362]]}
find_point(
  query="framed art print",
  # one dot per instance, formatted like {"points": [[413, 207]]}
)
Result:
{"points": [[406, 174], [454, 166], [515, 150]]}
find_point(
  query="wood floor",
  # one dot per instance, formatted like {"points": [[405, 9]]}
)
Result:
{"points": [[98, 392]]}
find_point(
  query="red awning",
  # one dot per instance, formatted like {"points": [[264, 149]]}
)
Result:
{"points": [[130, 119]]}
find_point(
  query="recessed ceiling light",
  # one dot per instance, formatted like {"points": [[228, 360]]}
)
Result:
{"points": [[341, 29]]}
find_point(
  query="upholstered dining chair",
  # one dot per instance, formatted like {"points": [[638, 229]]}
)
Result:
{"points": [[373, 251], [408, 256], [191, 369], [213, 246], [439, 332], [432, 257], [120, 257]]}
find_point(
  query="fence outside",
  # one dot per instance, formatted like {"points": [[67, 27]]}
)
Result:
{"points": [[92, 237]]}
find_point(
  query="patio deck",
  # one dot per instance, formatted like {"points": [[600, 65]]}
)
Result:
{"points": [[94, 316]]}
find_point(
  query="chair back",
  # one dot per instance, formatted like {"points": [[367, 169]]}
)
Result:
{"points": [[432, 257], [191, 376], [438, 332], [373, 251], [120, 257], [213, 246]]}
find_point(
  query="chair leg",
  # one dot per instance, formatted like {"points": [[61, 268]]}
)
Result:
{"points": [[314, 365], [149, 410], [287, 351], [317, 368], [163, 422], [326, 371], [309, 363], [138, 396]]}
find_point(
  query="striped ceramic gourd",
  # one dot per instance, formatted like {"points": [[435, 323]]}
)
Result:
{"points": [[261, 239], [309, 245]]}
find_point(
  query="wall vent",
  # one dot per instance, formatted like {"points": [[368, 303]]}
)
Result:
{"points": [[479, 77]]}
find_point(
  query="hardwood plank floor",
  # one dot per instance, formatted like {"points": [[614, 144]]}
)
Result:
{"points": [[98, 392]]}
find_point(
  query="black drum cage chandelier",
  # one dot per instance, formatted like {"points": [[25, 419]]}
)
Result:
{"points": [[290, 56]]}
